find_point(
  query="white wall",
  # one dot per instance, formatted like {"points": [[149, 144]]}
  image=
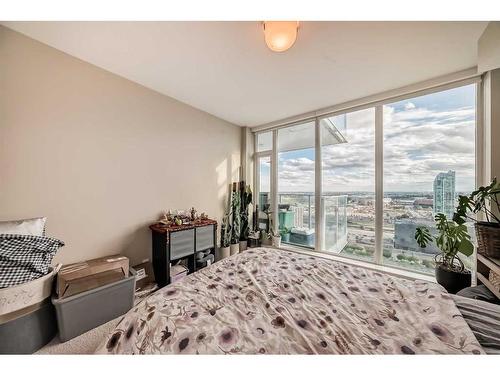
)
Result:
{"points": [[101, 156], [488, 48]]}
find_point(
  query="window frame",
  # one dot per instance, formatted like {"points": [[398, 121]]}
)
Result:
{"points": [[480, 157]]}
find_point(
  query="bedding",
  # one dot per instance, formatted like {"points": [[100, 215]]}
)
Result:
{"points": [[483, 318], [24, 258], [281, 302], [34, 227]]}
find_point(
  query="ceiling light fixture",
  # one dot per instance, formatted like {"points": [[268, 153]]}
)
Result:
{"points": [[280, 35]]}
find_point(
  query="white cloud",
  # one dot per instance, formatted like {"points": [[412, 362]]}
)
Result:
{"points": [[418, 144], [409, 106]]}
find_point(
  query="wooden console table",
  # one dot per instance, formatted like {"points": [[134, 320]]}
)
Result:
{"points": [[176, 242]]}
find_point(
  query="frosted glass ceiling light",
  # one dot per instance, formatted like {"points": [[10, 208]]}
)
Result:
{"points": [[280, 35]]}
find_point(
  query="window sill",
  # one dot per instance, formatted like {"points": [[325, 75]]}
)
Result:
{"points": [[377, 267]]}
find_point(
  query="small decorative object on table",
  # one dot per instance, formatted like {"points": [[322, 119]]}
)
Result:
{"points": [[193, 214]]}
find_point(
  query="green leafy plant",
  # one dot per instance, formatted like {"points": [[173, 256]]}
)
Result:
{"points": [[268, 213], [235, 209], [246, 200], [285, 230], [225, 232], [452, 238], [480, 201]]}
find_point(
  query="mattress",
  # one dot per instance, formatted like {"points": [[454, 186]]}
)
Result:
{"points": [[279, 302]]}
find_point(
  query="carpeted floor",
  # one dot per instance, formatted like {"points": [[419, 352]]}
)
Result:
{"points": [[86, 343]]}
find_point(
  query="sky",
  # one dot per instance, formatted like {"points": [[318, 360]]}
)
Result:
{"points": [[423, 136]]}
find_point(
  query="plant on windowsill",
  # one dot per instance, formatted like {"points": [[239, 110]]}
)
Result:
{"points": [[225, 237], [275, 237], [265, 234], [452, 238], [484, 201], [285, 234]]}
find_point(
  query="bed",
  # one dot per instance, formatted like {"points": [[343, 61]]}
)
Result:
{"points": [[280, 302]]}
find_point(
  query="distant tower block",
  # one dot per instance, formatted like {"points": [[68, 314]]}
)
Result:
{"points": [[444, 193], [298, 217]]}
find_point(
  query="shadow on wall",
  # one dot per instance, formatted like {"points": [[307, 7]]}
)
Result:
{"points": [[137, 244]]}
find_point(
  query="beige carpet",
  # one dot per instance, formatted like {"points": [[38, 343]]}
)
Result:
{"points": [[86, 343]]}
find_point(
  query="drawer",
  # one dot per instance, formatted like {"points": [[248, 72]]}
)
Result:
{"points": [[204, 237], [181, 244]]}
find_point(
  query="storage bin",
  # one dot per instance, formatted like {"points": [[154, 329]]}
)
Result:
{"points": [[177, 273], [27, 317], [82, 312], [29, 329]]}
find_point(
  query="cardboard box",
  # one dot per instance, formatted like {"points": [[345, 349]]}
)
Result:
{"points": [[78, 277]]}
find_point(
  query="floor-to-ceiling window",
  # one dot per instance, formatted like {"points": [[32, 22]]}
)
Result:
{"points": [[369, 202], [263, 201], [348, 178], [296, 184], [429, 159]]}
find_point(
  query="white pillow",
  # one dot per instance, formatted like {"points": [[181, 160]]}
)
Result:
{"points": [[34, 227]]}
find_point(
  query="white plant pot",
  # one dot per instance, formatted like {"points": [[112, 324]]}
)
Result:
{"points": [[235, 248], [277, 241], [224, 252], [243, 245]]}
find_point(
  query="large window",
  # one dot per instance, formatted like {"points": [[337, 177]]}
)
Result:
{"points": [[348, 192], [296, 181], [373, 175], [429, 158], [264, 192]]}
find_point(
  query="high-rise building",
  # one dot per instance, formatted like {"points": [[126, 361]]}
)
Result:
{"points": [[444, 193]]}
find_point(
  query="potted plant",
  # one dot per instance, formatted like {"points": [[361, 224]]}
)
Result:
{"points": [[452, 239], [485, 202], [235, 227], [225, 237], [265, 234], [275, 238], [246, 199], [285, 234]]}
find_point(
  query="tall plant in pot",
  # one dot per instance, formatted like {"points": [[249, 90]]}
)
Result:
{"points": [[265, 234], [452, 239], [246, 200], [235, 230], [485, 203], [225, 237]]}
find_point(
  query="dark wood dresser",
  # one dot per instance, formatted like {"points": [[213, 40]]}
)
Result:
{"points": [[171, 243]]}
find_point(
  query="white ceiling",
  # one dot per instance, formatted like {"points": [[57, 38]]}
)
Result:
{"points": [[225, 68]]}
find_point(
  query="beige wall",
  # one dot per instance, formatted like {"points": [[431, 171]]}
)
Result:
{"points": [[101, 156], [488, 48]]}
